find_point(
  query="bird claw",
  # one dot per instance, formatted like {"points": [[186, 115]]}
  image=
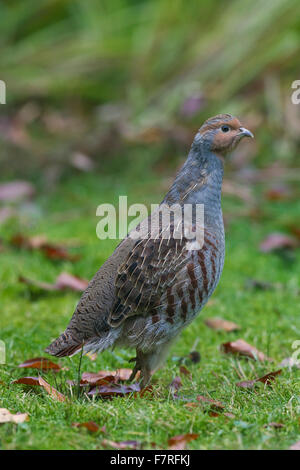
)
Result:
{"points": [[145, 374]]}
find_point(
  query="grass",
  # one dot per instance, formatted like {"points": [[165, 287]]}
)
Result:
{"points": [[268, 320]]}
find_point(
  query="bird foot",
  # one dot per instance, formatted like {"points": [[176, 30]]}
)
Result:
{"points": [[142, 367]]}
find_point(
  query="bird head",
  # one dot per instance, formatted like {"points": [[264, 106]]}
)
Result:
{"points": [[221, 134]]}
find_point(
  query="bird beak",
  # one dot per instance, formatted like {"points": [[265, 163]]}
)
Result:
{"points": [[245, 133]]}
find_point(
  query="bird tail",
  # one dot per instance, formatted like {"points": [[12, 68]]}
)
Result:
{"points": [[67, 344], [64, 345]]}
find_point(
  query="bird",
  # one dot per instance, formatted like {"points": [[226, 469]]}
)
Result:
{"points": [[153, 285]]}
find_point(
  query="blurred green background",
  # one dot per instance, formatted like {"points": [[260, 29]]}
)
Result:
{"points": [[105, 79]]}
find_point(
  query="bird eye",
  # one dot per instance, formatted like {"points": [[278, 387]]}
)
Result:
{"points": [[225, 128]]}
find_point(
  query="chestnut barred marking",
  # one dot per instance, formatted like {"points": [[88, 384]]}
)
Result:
{"points": [[184, 309], [191, 273], [213, 269], [155, 319], [171, 307], [192, 298], [201, 259]]}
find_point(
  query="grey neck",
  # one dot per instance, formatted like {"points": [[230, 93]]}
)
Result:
{"points": [[199, 180]]}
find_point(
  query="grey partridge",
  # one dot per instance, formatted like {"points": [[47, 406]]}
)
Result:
{"points": [[152, 287]]}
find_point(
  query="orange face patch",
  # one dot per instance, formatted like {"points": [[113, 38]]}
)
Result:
{"points": [[222, 141]]}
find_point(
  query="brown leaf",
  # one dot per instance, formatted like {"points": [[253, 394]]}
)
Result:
{"points": [[191, 405], [40, 363], [63, 282], [179, 442], [90, 425], [104, 376], [93, 379], [55, 394], [8, 417], [184, 371], [277, 241], [114, 390], [240, 347], [214, 403], [56, 252], [278, 193], [39, 381], [217, 323], [16, 190], [39, 242], [27, 381], [274, 425], [246, 384], [266, 379], [68, 281], [30, 243], [121, 445], [229, 415]]}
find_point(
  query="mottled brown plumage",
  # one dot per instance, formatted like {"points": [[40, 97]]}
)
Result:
{"points": [[151, 287]]}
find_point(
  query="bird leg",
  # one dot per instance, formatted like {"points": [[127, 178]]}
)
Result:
{"points": [[142, 364]]}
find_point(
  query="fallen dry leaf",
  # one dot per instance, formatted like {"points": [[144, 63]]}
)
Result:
{"points": [[40, 363], [217, 323], [55, 394], [68, 281], [39, 381], [214, 403], [274, 425], [16, 190], [90, 425], [64, 281], [266, 379], [229, 415], [277, 241], [27, 381], [184, 371], [123, 374], [8, 417], [179, 442], [240, 347], [94, 380], [278, 193], [114, 390], [104, 376], [39, 242]]}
